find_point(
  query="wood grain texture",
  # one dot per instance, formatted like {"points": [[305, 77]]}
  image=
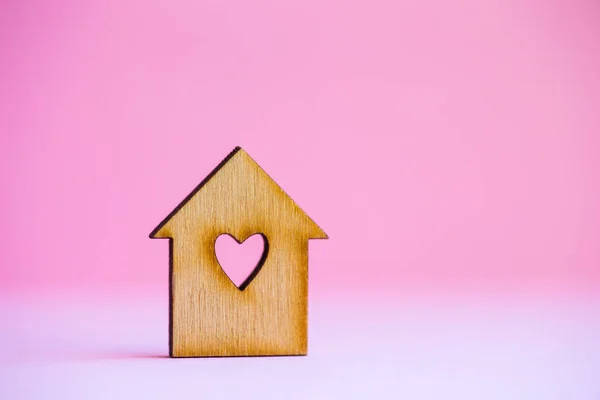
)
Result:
{"points": [[209, 315]]}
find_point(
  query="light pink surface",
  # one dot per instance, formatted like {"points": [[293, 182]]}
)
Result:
{"points": [[441, 145], [423, 349]]}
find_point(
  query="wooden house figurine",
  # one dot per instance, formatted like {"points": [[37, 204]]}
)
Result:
{"points": [[267, 314]]}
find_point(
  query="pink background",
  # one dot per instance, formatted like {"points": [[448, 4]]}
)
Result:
{"points": [[446, 147], [438, 144]]}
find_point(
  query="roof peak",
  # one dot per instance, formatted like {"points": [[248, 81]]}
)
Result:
{"points": [[246, 163]]}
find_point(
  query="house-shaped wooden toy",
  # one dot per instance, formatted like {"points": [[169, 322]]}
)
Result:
{"points": [[209, 315]]}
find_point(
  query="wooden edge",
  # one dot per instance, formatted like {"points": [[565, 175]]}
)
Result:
{"points": [[193, 192]]}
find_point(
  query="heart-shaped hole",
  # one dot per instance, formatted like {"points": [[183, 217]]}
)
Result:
{"points": [[241, 261]]}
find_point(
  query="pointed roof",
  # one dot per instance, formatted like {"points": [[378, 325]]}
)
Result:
{"points": [[243, 163]]}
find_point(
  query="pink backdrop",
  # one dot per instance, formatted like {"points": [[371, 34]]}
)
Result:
{"points": [[450, 149], [441, 145]]}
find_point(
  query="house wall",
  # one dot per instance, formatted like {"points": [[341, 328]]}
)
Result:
{"points": [[212, 317]]}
